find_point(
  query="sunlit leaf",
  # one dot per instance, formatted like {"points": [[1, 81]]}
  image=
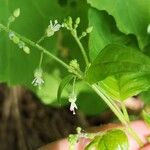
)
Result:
{"points": [[130, 16]]}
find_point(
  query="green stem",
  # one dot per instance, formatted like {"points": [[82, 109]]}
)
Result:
{"points": [[124, 110], [118, 113], [41, 59], [73, 85], [110, 99], [49, 54], [41, 39], [26, 40], [81, 48]]}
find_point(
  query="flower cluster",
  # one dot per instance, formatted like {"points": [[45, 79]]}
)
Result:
{"points": [[38, 78], [69, 25], [73, 65]]}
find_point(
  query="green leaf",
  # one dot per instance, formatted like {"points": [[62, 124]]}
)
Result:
{"points": [[62, 85], [115, 59], [104, 32], [94, 144], [132, 17], [112, 140], [120, 87], [145, 96]]}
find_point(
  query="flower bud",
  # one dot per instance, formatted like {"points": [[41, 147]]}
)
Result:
{"points": [[21, 44], [84, 34], [16, 12], [16, 39], [70, 21], [148, 29], [89, 29], [26, 49], [77, 20]]}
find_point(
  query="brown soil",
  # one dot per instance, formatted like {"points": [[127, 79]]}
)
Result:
{"points": [[26, 124]]}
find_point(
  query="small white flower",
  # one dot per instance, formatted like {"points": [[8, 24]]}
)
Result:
{"points": [[11, 35], [38, 81], [21, 44], [52, 28], [72, 100]]}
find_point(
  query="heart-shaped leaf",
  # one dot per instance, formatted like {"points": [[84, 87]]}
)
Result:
{"points": [[132, 17], [120, 87]]}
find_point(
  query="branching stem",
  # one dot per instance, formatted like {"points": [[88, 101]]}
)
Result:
{"points": [[81, 48], [28, 41], [122, 117]]}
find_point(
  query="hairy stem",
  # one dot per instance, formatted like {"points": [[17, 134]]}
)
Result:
{"points": [[106, 100]]}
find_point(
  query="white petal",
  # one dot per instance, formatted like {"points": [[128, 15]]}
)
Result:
{"points": [[56, 22], [62, 25], [75, 106], [56, 27], [34, 80], [71, 107], [74, 112], [51, 24]]}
